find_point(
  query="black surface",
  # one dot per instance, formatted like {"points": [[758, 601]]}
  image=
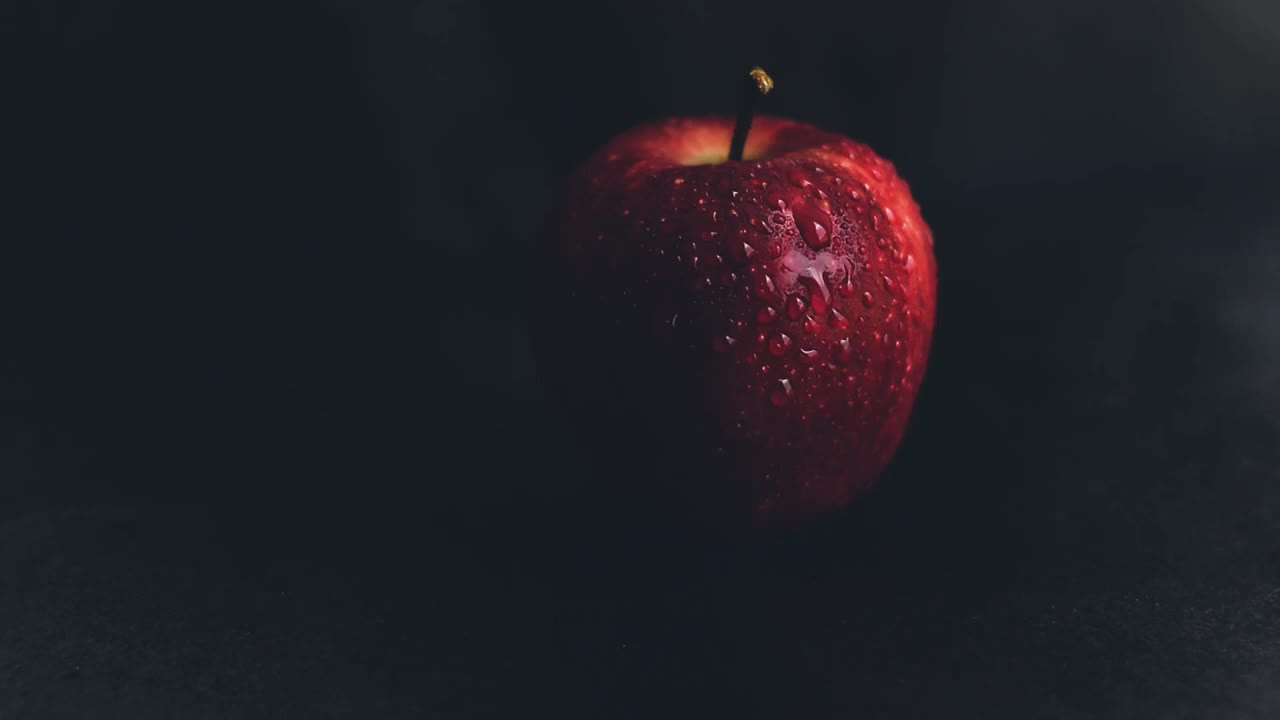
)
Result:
{"points": [[271, 443]]}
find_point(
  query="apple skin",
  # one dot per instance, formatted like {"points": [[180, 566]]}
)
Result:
{"points": [[738, 343]]}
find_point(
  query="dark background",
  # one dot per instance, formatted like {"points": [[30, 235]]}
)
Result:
{"points": [[272, 444]]}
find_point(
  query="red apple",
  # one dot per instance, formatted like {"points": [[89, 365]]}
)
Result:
{"points": [[739, 342]]}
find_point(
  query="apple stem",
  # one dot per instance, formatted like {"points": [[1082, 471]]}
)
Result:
{"points": [[758, 85]]}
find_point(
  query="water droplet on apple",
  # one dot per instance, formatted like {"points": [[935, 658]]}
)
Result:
{"points": [[794, 306], [814, 224], [728, 278], [766, 290], [799, 177], [843, 351], [886, 283], [809, 355], [723, 343], [867, 299], [839, 321], [766, 315], [845, 286], [781, 393], [818, 293], [779, 344], [810, 325]]}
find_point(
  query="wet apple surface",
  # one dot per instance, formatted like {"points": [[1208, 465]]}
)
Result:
{"points": [[760, 326]]}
